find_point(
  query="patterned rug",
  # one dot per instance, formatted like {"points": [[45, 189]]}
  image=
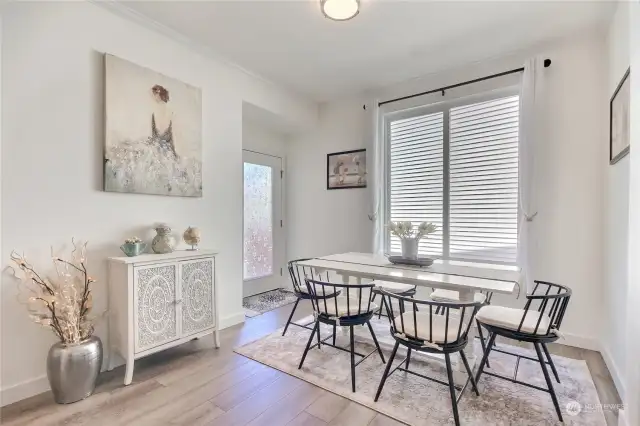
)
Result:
{"points": [[416, 401], [264, 302]]}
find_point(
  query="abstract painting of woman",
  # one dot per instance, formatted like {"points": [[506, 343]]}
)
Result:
{"points": [[163, 137], [153, 132]]}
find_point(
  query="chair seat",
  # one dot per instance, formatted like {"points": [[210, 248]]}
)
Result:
{"points": [[346, 309], [443, 295], [509, 318], [393, 287], [304, 289], [438, 328]]}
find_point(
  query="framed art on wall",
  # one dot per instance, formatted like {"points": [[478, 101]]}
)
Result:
{"points": [[153, 126], [347, 169], [619, 120]]}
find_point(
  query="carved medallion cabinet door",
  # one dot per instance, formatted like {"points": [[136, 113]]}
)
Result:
{"points": [[196, 281], [156, 310]]}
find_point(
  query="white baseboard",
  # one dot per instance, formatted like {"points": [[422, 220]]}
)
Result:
{"points": [[231, 320], [579, 341], [622, 418], [614, 371], [23, 390]]}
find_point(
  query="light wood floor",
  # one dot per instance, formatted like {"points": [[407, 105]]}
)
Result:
{"points": [[197, 385]]}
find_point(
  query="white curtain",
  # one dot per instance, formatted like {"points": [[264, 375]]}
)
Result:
{"points": [[376, 176], [529, 146]]}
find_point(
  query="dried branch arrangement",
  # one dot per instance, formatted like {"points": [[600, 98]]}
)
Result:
{"points": [[62, 302]]}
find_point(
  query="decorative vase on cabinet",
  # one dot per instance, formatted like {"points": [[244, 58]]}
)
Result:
{"points": [[163, 242], [160, 301]]}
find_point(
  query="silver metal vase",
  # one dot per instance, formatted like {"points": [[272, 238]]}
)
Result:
{"points": [[73, 369]]}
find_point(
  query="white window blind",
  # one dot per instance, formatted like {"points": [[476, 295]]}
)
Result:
{"points": [[464, 179], [417, 176], [483, 191]]}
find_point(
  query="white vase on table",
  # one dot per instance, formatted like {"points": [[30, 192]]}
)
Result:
{"points": [[410, 248]]}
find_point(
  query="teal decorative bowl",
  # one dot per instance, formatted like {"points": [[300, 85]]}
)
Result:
{"points": [[133, 249]]}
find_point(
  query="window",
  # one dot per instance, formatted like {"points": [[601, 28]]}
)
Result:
{"points": [[456, 165]]}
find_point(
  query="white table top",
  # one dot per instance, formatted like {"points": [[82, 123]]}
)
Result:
{"points": [[366, 265], [451, 267]]}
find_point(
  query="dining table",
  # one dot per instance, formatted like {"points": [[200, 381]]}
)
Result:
{"points": [[465, 277]]}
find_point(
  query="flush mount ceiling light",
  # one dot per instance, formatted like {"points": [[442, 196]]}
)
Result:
{"points": [[340, 10]]}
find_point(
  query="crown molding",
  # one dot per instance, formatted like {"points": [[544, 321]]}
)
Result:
{"points": [[118, 8]]}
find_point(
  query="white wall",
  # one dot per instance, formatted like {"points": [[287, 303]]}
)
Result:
{"points": [[616, 230], [260, 138], [632, 371], [52, 138], [570, 215], [322, 221]]}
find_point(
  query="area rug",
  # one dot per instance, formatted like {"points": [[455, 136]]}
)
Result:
{"points": [[268, 301], [416, 401]]}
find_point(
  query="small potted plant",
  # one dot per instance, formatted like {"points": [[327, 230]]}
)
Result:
{"points": [[410, 236], [133, 246]]}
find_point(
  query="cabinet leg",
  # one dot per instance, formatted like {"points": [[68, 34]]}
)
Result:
{"points": [[128, 375], [216, 338]]}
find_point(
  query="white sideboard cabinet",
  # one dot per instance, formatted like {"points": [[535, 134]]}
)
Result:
{"points": [[157, 301]]}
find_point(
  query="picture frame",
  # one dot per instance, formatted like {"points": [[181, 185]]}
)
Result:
{"points": [[153, 132], [619, 120], [347, 169]]}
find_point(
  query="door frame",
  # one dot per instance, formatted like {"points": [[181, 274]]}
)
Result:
{"points": [[279, 265]]}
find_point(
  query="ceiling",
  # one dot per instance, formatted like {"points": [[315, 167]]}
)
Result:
{"points": [[292, 44]]}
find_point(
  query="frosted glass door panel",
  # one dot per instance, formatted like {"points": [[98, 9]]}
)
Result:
{"points": [[258, 221], [263, 243]]}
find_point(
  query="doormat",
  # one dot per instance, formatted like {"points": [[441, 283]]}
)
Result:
{"points": [[264, 302]]}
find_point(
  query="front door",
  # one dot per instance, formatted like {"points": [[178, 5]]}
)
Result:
{"points": [[263, 231]]}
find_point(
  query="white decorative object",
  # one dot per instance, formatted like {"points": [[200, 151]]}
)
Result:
{"points": [[163, 242], [410, 248], [192, 237], [157, 301], [410, 236]]}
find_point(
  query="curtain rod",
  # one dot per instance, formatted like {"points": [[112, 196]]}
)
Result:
{"points": [[547, 63]]}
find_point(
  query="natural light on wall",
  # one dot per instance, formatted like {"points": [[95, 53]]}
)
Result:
{"points": [[340, 10]]}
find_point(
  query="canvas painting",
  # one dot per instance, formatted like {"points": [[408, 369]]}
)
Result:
{"points": [[620, 120], [347, 169], [153, 141]]}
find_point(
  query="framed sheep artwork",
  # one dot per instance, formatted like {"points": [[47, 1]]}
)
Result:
{"points": [[347, 169]]}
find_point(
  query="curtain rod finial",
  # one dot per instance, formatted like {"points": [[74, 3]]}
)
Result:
{"points": [[547, 63]]}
